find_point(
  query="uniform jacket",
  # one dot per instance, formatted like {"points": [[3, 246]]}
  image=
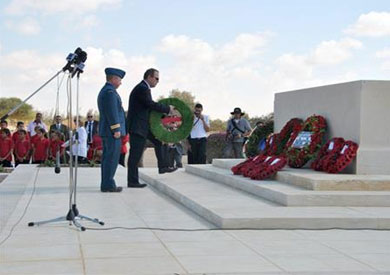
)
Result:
{"points": [[112, 116], [140, 105]]}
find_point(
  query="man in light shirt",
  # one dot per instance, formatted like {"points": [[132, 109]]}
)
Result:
{"points": [[37, 122], [198, 137]]}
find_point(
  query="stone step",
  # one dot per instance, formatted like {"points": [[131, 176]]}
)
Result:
{"points": [[290, 195], [227, 207], [315, 180]]}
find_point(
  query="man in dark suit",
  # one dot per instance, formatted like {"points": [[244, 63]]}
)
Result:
{"points": [[59, 127], [112, 127], [91, 126], [140, 105]]}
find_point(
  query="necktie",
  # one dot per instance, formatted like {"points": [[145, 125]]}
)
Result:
{"points": [[90, 131]]}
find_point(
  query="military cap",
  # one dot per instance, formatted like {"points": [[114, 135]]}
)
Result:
{"points": [[114, 71]]}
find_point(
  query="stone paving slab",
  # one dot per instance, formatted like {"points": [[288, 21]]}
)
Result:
{"points": [[230, 208], [62, 249], [290, 195], [320, 181]]}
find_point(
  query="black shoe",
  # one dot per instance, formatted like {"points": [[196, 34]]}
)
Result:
{"points": [[179, 165], [167, 170], [137, 185], [116, 189]]}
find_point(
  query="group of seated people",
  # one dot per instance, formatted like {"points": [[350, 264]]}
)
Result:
{"points": [[38, 145]]}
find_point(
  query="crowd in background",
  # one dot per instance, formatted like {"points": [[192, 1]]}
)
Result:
{"points": [[38, 143]]}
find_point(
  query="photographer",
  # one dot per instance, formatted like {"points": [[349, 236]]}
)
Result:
{"points": [[238, 129], [198, 137]]}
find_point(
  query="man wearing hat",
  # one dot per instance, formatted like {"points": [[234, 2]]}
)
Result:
{"points": [[238, 128], [111, 128]]}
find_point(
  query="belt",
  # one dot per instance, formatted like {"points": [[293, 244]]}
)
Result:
{"points": [[198, 138]]}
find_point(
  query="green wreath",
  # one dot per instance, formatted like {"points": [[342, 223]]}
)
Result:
{"points": [[161, 133]]}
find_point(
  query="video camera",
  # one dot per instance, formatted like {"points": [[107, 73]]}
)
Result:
{"points": [[75, 61]]}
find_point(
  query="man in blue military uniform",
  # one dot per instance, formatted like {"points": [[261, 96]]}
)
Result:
{"points": [[111, 128]]}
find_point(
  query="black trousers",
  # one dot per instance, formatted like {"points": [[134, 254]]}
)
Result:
{"points": [[198, 150], [5, 163], [137, 144]]}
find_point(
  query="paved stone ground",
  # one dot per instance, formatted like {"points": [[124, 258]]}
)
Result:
{"points": [[62, 249]]}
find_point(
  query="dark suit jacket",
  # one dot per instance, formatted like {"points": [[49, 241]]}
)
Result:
{"points": [[94, 129], [140, 105], [63, 129]]}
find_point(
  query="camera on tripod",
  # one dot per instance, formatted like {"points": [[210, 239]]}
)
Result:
{"points": [[75, 62]]}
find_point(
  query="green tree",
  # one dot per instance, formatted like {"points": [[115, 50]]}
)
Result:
{"points": [[217, 125], [24, 113], [185, 96]]}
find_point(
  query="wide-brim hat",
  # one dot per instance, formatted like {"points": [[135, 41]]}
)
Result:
{"points": [[237, 110], [114, 71]]}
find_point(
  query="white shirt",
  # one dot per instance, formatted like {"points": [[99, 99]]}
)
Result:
{"points": [[198, 130], [82, 146], [31, 127]]}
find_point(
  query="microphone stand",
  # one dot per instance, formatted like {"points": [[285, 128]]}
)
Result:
{"points": [[73, 214]]}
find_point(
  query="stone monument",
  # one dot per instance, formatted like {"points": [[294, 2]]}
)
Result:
{"points": [[357, 111]]}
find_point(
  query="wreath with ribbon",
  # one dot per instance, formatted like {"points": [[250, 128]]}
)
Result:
{"points": [[326, 153], [298, 156], [163, 127], [288, 134], [278, 143], [271, 144], [343, 158], [260, 167], [268, 168]]}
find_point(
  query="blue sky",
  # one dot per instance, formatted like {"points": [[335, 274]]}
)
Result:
{"points": [[227, 53]]}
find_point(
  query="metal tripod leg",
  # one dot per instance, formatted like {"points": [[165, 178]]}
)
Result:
{"points": [[59, 219], [95, 220]]}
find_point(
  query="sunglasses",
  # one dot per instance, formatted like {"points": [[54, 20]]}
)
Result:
{"points": [[89, 116]]}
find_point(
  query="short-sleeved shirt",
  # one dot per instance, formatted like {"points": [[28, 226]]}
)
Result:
{"points": [[22, 147], [55, 146], [31, 127], [241, 124], [198, 130], [6, 145], [41, 147]]}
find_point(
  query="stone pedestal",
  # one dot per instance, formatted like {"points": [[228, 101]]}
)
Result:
{"points": [[358, 111]]}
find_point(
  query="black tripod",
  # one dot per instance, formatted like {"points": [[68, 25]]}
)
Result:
{"points": [[73, 215]]}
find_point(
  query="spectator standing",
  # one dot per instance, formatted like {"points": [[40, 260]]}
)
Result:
{"points": [[91, 126], [56, 146], [198, 137], [19, 126], [37, 122], [61, 128], [22, 148], [40, 146], [6, 147], [237, 130]]}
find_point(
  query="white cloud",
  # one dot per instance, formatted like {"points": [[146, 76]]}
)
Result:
{"points": [[20, 7], [27, 26], [22, 72], [385, 56], [375, 24], [219, 76], [334, 52]]}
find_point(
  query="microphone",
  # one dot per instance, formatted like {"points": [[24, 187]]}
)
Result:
{"points": [[57, 169]]}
